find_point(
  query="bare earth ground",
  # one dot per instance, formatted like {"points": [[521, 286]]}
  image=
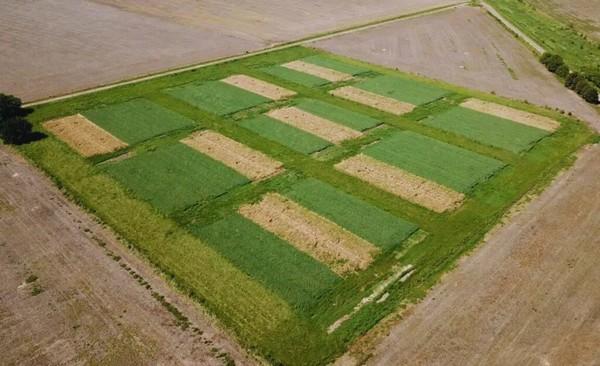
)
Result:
{"points": [[54, 47], [90, 311], [463, 46], [528, 296]]}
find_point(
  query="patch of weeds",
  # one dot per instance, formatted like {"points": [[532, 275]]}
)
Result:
{"points": [[36, 290], [31, 278], [181, 320]]}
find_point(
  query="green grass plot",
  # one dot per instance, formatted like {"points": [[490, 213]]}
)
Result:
{"points": [[175, 176], [217, 97], [294, 76], [286, 135], [435, 160], [137, 120], [291, 274], [361, 218], [334, 64], [357, 121], [487, 129], [402, 89]]}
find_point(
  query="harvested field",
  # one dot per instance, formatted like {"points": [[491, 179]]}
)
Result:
{"points": [[331, 75], [294, 76], [325, 129], [526, 118], [259, 87], [408, 186], [402, 89], [477, 52], [346, 117], [83, 136], [373, 100], [285, 135], [253, 164], [342, 251]]}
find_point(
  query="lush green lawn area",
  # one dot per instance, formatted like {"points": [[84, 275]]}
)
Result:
{"points": [[286, 135], [402, 89], [137, 120], [487, 129], [336, 64], [354, 120], [294, 76], [438, 161], [217, 97], [363, 219], [175, 176], [274, 310]]}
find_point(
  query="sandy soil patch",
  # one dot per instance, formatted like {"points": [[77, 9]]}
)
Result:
{"points": [[259, 87], [251, 163], [373, 100], [323, 240], [84, 136], [526, 118], [402, 183], [319, 126], [331, 75]]}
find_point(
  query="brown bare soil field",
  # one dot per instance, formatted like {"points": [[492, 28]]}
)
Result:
{"points": [[251, 163], [58, 46], [318, 71], [401, 183], [502, 111], [318, 237], [467, 47], [82, 306], [528, 296], [319, 126], [259, 87], [84, 136], [373, 100]]}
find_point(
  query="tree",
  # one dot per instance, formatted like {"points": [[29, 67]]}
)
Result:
{"points": [[572, 79], [10, 106], [551, 61], [15, 130], [580, 85], [590, 94], [562, 71]]}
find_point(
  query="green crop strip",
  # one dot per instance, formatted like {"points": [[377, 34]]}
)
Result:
{"points": [[294, 76], [335, 64], [404, 90], [357, 121]]}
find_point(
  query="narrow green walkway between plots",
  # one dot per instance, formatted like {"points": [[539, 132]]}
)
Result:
{"points": [[404, 90], [294, 76], [487, 129], [217, 97], [291, 274], [331, 63], [363, 219], [285, 135], [137, 120], [357, 121], [175, 176], [438, 161]]}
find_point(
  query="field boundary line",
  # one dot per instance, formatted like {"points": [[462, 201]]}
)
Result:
{"points": [[277, 47]]}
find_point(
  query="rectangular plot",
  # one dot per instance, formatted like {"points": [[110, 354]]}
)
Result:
{"points": [[328, 74], [331, 63], [363, 219], [323, 240], [175, 176], [408, 186], [137, 120], [373, 100], [259, 87], [217, 97], [289, 273], [502, 111], [446, 164], [251, 163], [318, 126], [487, 129], [83, 136], [285, 135], [405, 90], [294, 76], [357, 121]]}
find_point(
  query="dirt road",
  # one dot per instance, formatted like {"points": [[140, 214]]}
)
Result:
{"points": [[64, 301], [528, 296], [467, 47]]}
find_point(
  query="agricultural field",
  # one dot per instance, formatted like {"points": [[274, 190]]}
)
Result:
{"points": [[322, 215]]}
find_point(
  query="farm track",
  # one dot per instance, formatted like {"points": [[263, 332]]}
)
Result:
{"points": [[90, 310]]}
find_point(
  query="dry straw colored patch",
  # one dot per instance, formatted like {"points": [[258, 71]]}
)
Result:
{"points": [[319, 126], [525, 118], [318, 71], [323, 240], [410, 187], [373, 100], [259, 87], [83, 135], [251, 163]]}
